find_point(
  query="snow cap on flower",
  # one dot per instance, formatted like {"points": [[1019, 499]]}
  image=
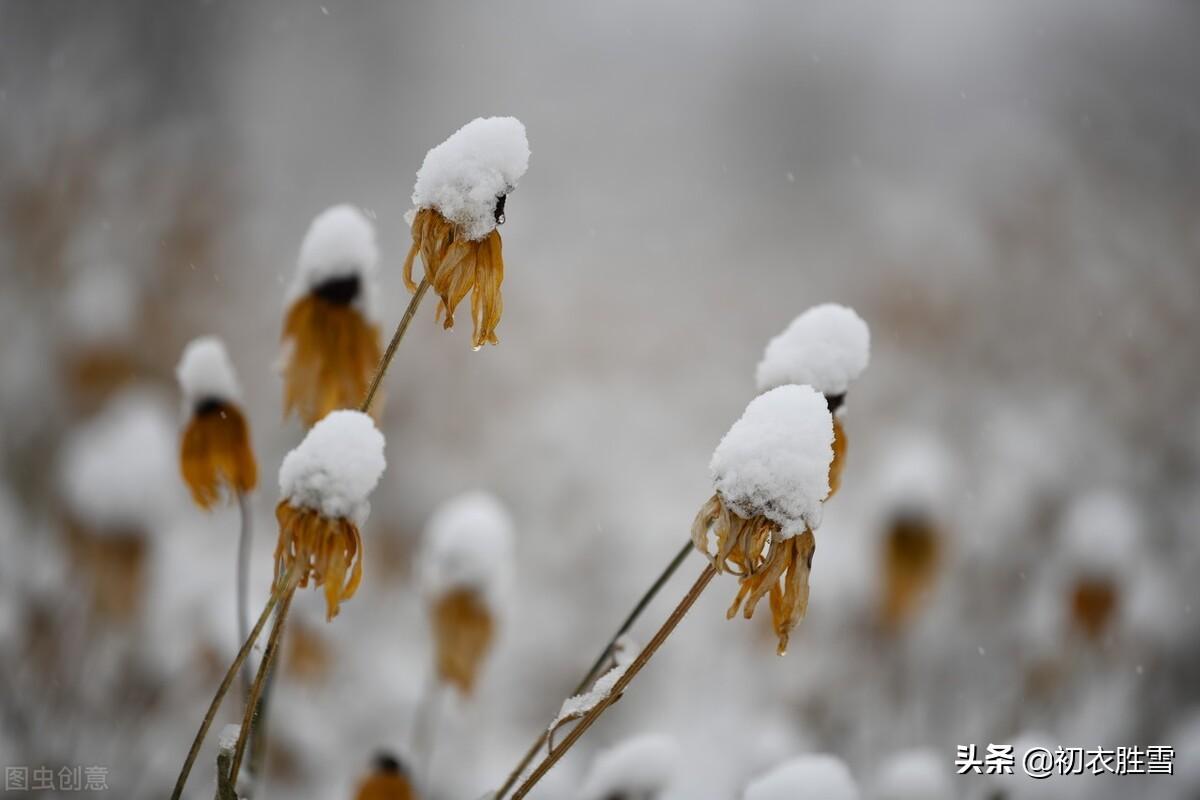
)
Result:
{"points": [[774, 461], [465, 176], [335, 468], [914, 775], [810, 777], [340, 244], [468, 545], [641, 766], [206, 373], [118, 469], [1100, 534], [826, 347]]}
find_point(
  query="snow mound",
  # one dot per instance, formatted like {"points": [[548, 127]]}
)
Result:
{"points": [[826, 347], [119, 471], [641, 766], [775, 460], [340, 243], [465, 175], [468, 545], [206, 372], [916, 474], [336, 467], [914, 775], [1100, 534], [812, 777]]}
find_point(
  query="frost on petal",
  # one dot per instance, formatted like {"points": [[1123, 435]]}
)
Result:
{"points": [[826, 347], [465, 176], [810, 777], [468, 545], [642, 766], [205, 372], [624, 653], [339, 251], [774, 461], [335, 468]]}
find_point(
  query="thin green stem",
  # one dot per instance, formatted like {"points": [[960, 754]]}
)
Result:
{"points": [[601, 660], [401, 327], [642, 659]]}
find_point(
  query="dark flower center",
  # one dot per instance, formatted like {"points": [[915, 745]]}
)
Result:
{"points": [[389, 764], [499, 211], [210, 405], [339, 291], [834, 401]]}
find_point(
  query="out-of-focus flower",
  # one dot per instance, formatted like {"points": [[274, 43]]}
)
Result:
{"points": [[389, 780], [771, 474], [460, 197], [331, 340], [827, 347], [810, 777], [1099, 537], [326, 481], [641, 767], [465, 567], [215, 451]]}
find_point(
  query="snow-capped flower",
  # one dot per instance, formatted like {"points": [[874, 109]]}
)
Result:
{"points": [[1099, 540], [459, 197], [465, 567], [326, 482], [827, 347], [389, 780], [771, 474], [810, 777], [215, 450], [640, 767], [331, 340]]}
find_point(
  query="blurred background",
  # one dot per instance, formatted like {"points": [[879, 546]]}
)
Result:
{"points": [[1009, 195]]}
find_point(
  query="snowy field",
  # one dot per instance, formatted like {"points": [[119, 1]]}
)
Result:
{"points": [[1008, 196]]}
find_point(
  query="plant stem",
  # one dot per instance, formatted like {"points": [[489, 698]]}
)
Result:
{"points": [[642, 659], [598, 665], [245, 538], [222, 690], [259, 679], [401, 327]]}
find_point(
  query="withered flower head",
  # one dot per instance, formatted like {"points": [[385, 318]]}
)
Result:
{"points": [[827, 347], [911, 553], [330, 335], [1101, 556], [215, 451], [465, 567], [771, 474], [326, 482], [460, 197], [389, 780]]}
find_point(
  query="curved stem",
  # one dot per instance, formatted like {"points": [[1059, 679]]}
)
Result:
{"points": [[245, 539], [222, 690], [642, 659], [598, 665], [401, 327], [264, 669]]}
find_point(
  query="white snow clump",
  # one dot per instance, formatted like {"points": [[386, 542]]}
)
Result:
{"points": [[335, 468], [206, 372], [340, 243], [468, 545], [641, 767], [810, 777], [826, 347]]}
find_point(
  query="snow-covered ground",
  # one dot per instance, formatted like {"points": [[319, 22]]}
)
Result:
{"points": [[1007, 197]]}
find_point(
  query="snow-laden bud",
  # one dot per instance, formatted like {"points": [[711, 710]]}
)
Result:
{"points": [[465, 567], [330, 334], [810, 777], [827, 347], [1099, 539], [460, 198], [215, 451], [914, 775], [771, 474], [326, 482], [639, 768]]}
